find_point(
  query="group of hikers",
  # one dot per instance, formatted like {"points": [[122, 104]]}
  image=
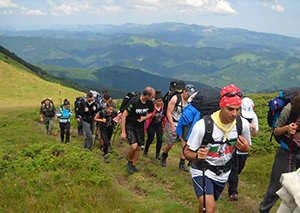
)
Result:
{"points": [[215, 136]]}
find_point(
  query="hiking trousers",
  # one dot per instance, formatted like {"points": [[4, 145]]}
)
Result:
{"points": [[280, 166], [49, 122], [106, 136], [65, 129], [158, 130], [88, 129]]}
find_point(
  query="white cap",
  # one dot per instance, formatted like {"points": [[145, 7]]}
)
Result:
{"points": [[247, 108]]}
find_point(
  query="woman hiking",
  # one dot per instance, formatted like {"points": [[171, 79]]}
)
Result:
{"points": [[107, 118], [155, 125], [64, 113]]}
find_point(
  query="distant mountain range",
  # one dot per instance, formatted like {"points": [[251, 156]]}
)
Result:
{"points": [[208, 55]]}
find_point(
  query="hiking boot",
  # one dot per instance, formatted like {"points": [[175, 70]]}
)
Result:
{"points": [[101, 148], [135, 169], [105, 157], [145, 153], [233, 197], [158, 157], [182, 166], [163, 159], [129, 167], [109, 149]]}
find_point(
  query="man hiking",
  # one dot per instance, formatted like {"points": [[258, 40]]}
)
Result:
{"points": [[87, 110], [288, 154], [213, 147], [48, 114], [140, 108], [174, 112]]}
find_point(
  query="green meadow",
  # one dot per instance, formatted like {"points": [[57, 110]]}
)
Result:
{"points": [[39, 174]]}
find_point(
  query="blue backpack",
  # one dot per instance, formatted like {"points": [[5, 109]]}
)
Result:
{"points": [[276, 105]]}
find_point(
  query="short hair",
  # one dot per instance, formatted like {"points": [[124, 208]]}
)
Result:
{"points": [[147, 91], [110, 103], [158, 95], [106, 96]]}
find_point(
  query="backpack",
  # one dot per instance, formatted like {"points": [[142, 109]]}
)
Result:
{"points": [[46, 112], [275, 106], [126, 100], [76, 104], [206, 101], [176, 88]]}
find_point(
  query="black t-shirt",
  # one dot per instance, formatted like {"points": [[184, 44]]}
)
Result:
{"points": [[136, 109], [109, 119]]}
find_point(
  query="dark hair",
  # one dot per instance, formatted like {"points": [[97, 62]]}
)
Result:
{"points": [[158, 95], [89, 95], [296, 104], [110, 103], [66, 102], [106, 96]]}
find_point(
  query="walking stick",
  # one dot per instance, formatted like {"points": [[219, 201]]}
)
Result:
{"points": [[203, 183], [290, 154], [115, 134]]}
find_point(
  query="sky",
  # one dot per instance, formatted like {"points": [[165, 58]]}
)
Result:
{"points": [[268, 16]]}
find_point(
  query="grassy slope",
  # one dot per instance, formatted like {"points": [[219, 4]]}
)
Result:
{"points": [[38, 174], [21, 88]]}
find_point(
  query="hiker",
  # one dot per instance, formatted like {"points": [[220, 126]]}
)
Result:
{"points": [[140, 108], [64, 113], [48, 114], [106, 118], [288, 154], [173, 114], [211, 145], [78, 117], [87, 109], [239, 160], [155, 125]]}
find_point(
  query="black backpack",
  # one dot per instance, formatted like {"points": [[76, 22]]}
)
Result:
{"points": [[275, 106], [126, 99], [176, 88]]}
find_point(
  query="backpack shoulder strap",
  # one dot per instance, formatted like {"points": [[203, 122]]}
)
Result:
{"points": [[209, 127], [239, 125], [178, 101]]}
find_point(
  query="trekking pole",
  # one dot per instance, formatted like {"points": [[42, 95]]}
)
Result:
{"points": [[203, 183], [290, 154], [118, 125]]}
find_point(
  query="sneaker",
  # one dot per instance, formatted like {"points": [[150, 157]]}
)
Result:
{"points": [[97, 137], [145, 153], [129, 167], [233, 197], [142, 147], [135, 169], [101, 148], [158, 157], [163, 160], [183, 167], [121, 141], [106, 159]]}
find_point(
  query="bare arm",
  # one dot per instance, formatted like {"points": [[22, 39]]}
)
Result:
{"points": [[123, 124], [171, 107]]}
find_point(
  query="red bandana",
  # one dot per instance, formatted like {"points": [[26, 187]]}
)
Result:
{"points": [[228, 101]]}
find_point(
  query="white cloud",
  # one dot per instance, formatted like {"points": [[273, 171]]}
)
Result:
{"points": [[7, 4], [278, 8], [26, 11], [9, 12], [68, 7]]}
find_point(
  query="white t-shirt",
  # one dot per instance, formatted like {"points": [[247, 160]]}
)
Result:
{"points": [[218, 154]]}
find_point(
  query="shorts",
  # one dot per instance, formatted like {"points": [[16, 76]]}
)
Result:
{"points": [[214, 188], [135, 135], [171, 139]]}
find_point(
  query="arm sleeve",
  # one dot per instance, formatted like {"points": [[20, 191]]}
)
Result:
{"points": [[284, 116], [196, 136]]}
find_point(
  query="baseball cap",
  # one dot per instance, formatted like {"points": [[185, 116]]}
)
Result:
{"points": [[247, 108], [190, 89]]}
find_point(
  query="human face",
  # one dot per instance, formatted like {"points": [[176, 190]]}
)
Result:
{"points": [[89, 99], [109, 110], [152, 95], [67, 106], [229, 113], [158, 102]]}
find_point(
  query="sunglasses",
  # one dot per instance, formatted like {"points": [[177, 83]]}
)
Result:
{"points": [[232, 94]]}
